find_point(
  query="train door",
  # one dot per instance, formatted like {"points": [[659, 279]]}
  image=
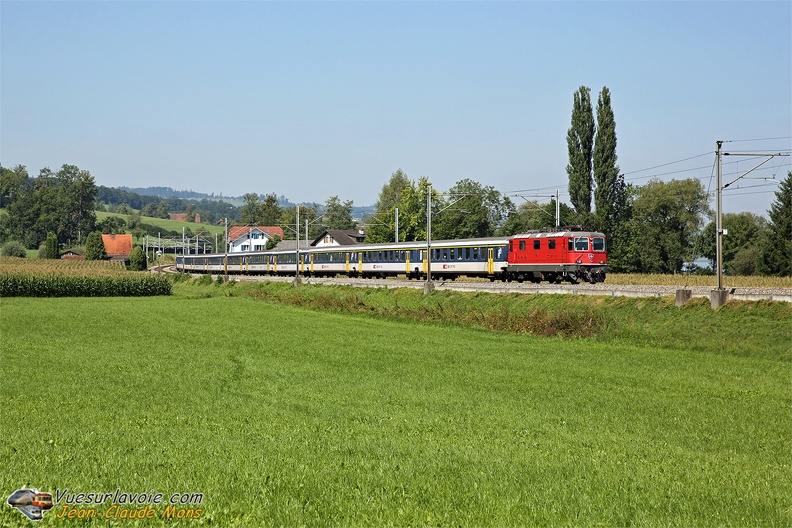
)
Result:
{"points": [[490, 261]]}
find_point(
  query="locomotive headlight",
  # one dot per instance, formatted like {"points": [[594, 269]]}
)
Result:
{"points": [[578, 261], [602, 262]]}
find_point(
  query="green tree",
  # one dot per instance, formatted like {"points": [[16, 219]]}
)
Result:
{"points": [[13, 182], [308, 215], [611, 196], [580, 142], [250, 212], [470, 211], [13, 248], [112, 224], [35, 211], [775, 257], [412, 220], [94, 247], [150, 210], [338, 214], [137, 259], [270, 210], [744, 261], [123, 209], [381, 226], [52, 251], [532, 215], [667, 217], [746, 231], [75, 203], [162, 210], [272, 242]]}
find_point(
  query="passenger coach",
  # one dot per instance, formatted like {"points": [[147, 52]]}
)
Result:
{"points": [[553, 256]]}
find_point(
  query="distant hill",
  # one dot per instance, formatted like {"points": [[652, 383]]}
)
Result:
{"points": [[168, 192], [359, 211]]}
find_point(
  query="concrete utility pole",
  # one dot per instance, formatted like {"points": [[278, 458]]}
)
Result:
{"points": [[718, 214], [558, 211], [719, 296], [297, 251], [429, 286], [225, 256], [397, 224]]}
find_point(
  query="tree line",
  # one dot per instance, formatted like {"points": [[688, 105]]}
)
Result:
{"points": [[659, 227]]}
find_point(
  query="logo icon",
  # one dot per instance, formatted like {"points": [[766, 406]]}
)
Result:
{"points": [[32, 503]]}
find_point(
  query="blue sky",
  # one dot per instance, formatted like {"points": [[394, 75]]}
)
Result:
{"points": [[315, 99]]}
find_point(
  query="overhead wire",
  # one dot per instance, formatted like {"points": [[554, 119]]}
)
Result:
{"points": [[680, 171]]}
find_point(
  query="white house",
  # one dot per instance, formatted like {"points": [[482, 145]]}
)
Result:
{"points": [[251, 238]]}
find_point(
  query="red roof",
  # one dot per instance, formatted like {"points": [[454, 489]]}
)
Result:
{"points": [[238, 231], [117, 245]]}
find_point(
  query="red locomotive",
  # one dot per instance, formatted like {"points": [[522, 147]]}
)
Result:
{"points": [[553, 256]]}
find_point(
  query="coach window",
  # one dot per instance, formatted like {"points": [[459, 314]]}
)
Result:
{"points": [[599, 243], [551, 244], [522, 245], [537, 244], [452, 256]]}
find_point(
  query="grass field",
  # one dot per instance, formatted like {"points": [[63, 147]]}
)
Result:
{"points": [[171, 225], [283, 415]]}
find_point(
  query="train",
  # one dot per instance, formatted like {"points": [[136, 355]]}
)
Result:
{"points": [[553, 256]]}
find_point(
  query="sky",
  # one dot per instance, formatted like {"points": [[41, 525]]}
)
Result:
{"points": [[317, 99]]}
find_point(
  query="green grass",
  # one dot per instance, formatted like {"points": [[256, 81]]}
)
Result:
{"points": [[283, 415], [739, 328]]}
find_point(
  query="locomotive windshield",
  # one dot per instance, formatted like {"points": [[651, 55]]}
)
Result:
{"points": [[578, 244], [598, 243]]}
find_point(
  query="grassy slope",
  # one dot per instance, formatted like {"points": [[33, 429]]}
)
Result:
{"points": [[281, 415], [739, 328], [171, 225]]}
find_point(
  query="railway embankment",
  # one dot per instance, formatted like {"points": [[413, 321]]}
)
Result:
{"points": [[595, 290], [756, 328]]}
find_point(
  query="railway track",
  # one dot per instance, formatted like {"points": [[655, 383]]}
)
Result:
{"points": [[599, 289]]}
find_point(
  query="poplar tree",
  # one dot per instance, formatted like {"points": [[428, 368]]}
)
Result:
{"points": [[51, 246], [606, 172], [580, 142]]}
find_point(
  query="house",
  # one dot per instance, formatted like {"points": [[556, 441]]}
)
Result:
{"points": [[72, 255], [251, 238], [339, 237], [181, 217], [118, 247]]}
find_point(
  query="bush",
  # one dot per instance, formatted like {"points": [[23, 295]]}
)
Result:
{"points": [[51, 246], [137, 259], [94, 247], [13, 248]]}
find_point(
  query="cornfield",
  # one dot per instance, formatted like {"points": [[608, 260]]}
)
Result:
{"points": [[731, 281], [76, 278]]}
